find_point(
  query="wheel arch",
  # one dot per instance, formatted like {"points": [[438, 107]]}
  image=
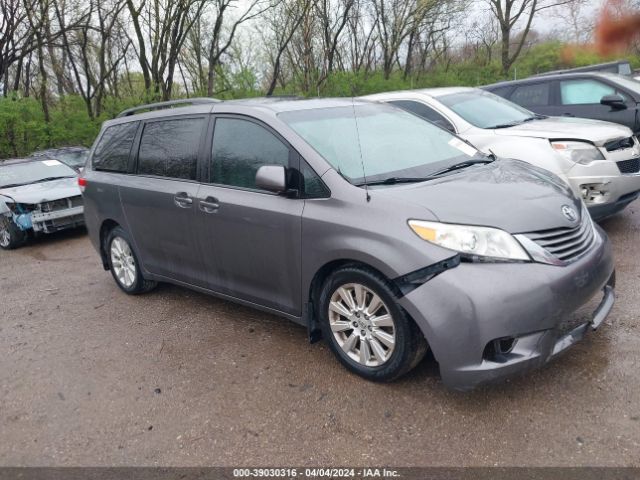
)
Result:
{"points": [[106, 227], [318, 279]]}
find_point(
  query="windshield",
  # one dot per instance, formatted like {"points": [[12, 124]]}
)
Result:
{"points": [[486, 110], [377, 141], [73, 159], [32, 172], [626, 82]]}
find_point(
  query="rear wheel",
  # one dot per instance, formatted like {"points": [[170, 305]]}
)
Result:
{"points": [[366, 329], [124, 264], [10, 235]]}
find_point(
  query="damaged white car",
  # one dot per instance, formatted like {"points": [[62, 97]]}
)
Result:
{"points": [[39, 196]]}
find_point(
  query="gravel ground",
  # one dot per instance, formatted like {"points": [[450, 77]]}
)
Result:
{"points": [[90, 376]]}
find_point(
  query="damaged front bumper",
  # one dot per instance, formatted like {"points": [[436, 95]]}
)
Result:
{"points": [[485, 322], [608, 186], [48, 217], [57, 220]]}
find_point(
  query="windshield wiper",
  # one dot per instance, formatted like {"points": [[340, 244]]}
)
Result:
{"points": [[49, 179], [518, 122], [465, 164], [393, 181], [507, 125], [481, 158]]}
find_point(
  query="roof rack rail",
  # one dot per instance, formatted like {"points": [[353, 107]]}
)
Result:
{"points": [[169, 104]]}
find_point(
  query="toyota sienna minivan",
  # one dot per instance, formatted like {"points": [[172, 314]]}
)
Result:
{"points": [[380, 232]]}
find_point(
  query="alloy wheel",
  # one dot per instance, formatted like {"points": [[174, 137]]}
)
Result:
{"points": [[123, 262], [5, 234], [362, 324]]}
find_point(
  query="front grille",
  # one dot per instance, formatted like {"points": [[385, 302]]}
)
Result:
{"points": [[62, 204], [568, 243], [629, 166], [76, 201], [620, 144]]}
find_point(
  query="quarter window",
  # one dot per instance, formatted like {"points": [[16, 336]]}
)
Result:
{"points": [[313, 186], [584, 92], [240, 148], [169, 148], [425, 112], [536, 95], [112, 151]]}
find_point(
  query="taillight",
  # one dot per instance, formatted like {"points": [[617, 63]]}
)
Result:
{"points": [[82, 182]]}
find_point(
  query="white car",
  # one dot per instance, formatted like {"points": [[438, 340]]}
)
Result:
{"points": [[599, 160]]}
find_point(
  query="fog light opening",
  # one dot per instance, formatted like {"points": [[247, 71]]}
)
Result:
{"points": [[594, 193], [497, 350]]}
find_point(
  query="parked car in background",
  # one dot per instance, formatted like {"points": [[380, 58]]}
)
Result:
{"points": [[621, 67], [40, 196], [382, 232], [75, 157], [600, 96], [599, 160]]}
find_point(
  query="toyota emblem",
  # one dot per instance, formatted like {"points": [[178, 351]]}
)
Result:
{"points": [[569, 213]]}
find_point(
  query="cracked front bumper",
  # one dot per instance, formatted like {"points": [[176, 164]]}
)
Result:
{"points": [[463, 310], [604, 189]]}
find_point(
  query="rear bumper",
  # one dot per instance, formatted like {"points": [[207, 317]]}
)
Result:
{"points": [[463, 310]]}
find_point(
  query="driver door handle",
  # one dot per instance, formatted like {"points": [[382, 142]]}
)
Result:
{"points": [[209, 205]]}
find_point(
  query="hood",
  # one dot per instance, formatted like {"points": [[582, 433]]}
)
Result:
{"points": [[567, 128], [43, 192], [507, 194]]}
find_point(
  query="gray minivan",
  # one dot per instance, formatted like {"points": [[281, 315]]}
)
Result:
{"points": [[375, 229]]}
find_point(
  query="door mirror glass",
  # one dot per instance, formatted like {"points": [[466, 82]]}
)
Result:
{"points": [[614, 101], [271, 178]]}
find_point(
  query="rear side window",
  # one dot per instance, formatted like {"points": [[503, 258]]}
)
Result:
{"points": [[536, 95], [240, 147], [169, 148], [583, 92], [425, 112], [113, 148]]}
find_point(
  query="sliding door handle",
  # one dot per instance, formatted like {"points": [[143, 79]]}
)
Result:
{"points": [[209, 205]]}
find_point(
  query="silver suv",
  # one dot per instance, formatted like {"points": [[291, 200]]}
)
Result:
{"points": [[376, 230], [599, 160]]}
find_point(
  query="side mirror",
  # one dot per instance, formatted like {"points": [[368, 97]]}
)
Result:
{"points": [[272, 178], [614, 101]]}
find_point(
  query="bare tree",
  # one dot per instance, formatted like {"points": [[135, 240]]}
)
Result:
{"points": [[511, 13], [161, 28], [282, 23]]}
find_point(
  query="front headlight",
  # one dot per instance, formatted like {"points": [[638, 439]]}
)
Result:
{"points": [[480, 241], [579, 152]]}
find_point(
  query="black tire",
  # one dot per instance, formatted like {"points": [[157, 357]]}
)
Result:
{"points": [[11, 236], [410, 345], [139, 284]]}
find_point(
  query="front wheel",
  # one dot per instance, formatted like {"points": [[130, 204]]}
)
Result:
{"points": [[365, 328], [124, 264], [10, 235]]}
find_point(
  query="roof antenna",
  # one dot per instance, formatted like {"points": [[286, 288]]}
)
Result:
{"points": [[364, 173]]}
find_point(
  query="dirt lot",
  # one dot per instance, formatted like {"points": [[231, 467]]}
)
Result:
{"points": [[90, 376]]}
